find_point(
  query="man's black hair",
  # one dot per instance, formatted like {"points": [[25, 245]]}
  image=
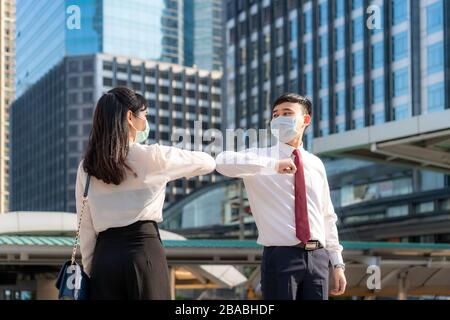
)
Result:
{"points": [[294, 98]]}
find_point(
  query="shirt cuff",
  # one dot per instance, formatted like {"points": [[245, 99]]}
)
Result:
{"points": [[336, 258]]}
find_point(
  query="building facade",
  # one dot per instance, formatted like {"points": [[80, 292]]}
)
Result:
{"points": [[7, 92], [363, 63], [61, 104], [162, 30], [207, 29]]}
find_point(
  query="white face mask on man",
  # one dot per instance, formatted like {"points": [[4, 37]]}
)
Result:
{"points": [[284, 128]]}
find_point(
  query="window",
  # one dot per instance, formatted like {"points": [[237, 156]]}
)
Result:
{"points": [[378, 90], [323, 13], [425, 207], [279, 36], [323, 45], [73, 114], [358, 29], [308, 21], [87, 129], [377, 55], [87, 113], [324, 77], [88, 97], [401, 112], [358, 62], [399, 11], [356, 4], [340, 103], [400, 46], [294, 58], [358, 123], [435, 19], [107, 65], [293, 26], [88, 81], [340, 37], [88, 65], [435, 58], [73, 98], [436, 97], [308, 83], [107, 82], [73, 146], [73, 82], [397, 211], [324, 114], [378, 117], [73, 129], [340, 70], [400, 82], [358, 96], [340, 8], [308, 52], [340, 127], [73, 66]]}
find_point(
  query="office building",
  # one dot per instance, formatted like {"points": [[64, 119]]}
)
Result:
{"points": [[60, 107], [7, 93]]}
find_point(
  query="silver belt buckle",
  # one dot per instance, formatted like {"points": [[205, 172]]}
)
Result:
{"points": [[310, 245]]}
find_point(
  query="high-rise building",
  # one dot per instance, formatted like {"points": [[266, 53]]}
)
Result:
{"points": [[162, 30], [374, 70], [203, 20], [7, 85], [61, 104]]}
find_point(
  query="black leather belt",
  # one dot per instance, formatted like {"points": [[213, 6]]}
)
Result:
{"points": [[310, 245]]}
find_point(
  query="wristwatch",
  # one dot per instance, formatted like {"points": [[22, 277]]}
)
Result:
{"points": [[340, 265]]}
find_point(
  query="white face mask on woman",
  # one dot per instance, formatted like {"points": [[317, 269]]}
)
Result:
{"points": [[141, 136], [284, 128]]}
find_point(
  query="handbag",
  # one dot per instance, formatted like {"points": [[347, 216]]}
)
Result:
{"points": [[72, 281]]}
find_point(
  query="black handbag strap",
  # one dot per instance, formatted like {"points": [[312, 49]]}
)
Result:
{"points": [[86, 188]]}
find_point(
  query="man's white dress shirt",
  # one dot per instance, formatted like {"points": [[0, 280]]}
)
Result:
{"points": [[271, 196]]}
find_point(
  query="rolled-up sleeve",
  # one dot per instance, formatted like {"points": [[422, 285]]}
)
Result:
{"points": [[178, 163], [332, 244], [88, 235], [245, 163]]}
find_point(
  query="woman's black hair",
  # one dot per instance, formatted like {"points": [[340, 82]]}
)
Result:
{"points": [[107, 150]]}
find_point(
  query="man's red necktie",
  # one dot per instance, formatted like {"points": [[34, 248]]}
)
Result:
{"points": [[301, 209]]}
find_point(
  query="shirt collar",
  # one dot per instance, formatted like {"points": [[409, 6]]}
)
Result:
{"points": [[287, 149]]}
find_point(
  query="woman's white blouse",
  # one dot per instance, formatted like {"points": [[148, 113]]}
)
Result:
{"points": [[136, 198]]}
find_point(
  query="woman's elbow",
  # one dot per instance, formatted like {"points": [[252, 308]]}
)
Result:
{"points": [[210, 164]]}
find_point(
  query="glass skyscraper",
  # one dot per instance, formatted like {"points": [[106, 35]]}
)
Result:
{"points": [[48, 30], [207, 34]]}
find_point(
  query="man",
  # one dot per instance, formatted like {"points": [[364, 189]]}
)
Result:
{"points": [[290, 200]]}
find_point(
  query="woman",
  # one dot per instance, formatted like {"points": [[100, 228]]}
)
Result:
{"points": [[119, 239]]}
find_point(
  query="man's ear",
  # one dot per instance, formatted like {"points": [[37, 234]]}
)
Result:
{"points": [[307, 120]]}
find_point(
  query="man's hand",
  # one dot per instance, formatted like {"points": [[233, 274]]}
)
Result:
{"points": [[339, 282], [286, 166]]}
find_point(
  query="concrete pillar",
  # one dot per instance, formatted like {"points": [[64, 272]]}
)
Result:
{"points": [[403, 286], [172, 282]]}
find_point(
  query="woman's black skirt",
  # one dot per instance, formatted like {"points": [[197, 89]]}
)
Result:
{"points": [[129, 263]]}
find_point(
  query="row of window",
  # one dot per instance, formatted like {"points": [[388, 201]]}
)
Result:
{"points": [[436, 97], [399, 14], [163, 74]]}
